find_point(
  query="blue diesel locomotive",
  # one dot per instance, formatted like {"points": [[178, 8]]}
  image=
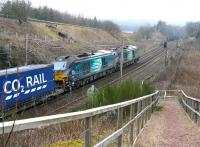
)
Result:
{"points": [[75, 71]]}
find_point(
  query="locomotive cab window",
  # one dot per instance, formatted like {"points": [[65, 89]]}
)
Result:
{"points": [[104, 62], [59, 65], [133, 54], [125, 56], [86, 68]]}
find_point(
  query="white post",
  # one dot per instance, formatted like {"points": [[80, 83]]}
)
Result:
{"points": [[141, 84], [16, 35], [165, 94], [26, 47]]}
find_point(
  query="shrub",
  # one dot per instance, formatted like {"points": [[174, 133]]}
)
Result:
{"points": [[126, 90]]}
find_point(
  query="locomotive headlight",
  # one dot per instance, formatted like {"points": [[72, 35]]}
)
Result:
{"points": [[60, 76]]}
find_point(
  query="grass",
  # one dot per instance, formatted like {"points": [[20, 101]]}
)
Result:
{"points": [[65, 27], [75, 143], [42, 28], [117, 93]]}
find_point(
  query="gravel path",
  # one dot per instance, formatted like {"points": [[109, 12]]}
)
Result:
{"points": [[170, 127]]}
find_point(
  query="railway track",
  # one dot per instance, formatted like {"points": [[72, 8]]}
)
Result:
{"points": [[66, 102]]}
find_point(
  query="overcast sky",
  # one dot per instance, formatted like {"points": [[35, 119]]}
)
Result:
{"points": [[167, 10]]}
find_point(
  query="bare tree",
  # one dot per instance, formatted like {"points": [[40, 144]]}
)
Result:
{"points": [[145, 32], [18, 8], [22, 9]]}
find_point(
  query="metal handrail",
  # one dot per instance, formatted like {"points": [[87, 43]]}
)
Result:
{"points": [[55, 119], [120, 131], [189, 97], [191, 108]]}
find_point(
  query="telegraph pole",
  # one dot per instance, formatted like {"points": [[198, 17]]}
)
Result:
{"points": [[121, 60], [166, 53], [26, 48]]}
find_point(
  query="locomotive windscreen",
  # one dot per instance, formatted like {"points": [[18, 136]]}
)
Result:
{"points": [[59, 65]]}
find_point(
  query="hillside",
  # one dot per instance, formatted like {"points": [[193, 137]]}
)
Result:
{"points": [[47, 41]]}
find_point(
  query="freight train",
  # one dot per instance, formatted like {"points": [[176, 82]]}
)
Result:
{"points": [[27, 86]]}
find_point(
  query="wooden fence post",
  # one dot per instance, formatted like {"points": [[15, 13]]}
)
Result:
{"points": [[146, 115], [138, 120], [119, 125], [88, 126], [131, 128], [142, 116], [196, 107], [198, 117]]}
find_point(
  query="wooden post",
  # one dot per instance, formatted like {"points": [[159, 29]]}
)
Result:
{"points": [[146, 113], [26, 48], [138, 120], [191, 112], [152, 99], [195, 115], [119, 125], [151, 109], [186, 106], [131, 128], [149, 102], [198, 117], [142, 117], [88, 124]]}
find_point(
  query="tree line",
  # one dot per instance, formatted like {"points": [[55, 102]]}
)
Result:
{"points": [[169, 31], [22, 9], [193, 29]]}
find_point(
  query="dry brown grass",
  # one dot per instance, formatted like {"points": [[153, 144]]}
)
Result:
{"points": [[64, 133], [43, 51], [187, 76], [184, 73], [47, 135], [68, 133]]}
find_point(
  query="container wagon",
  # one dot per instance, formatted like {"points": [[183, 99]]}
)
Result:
{"points": [[25, 86]]}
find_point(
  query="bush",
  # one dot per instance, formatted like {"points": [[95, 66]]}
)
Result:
{"points": [[126, 90]]}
